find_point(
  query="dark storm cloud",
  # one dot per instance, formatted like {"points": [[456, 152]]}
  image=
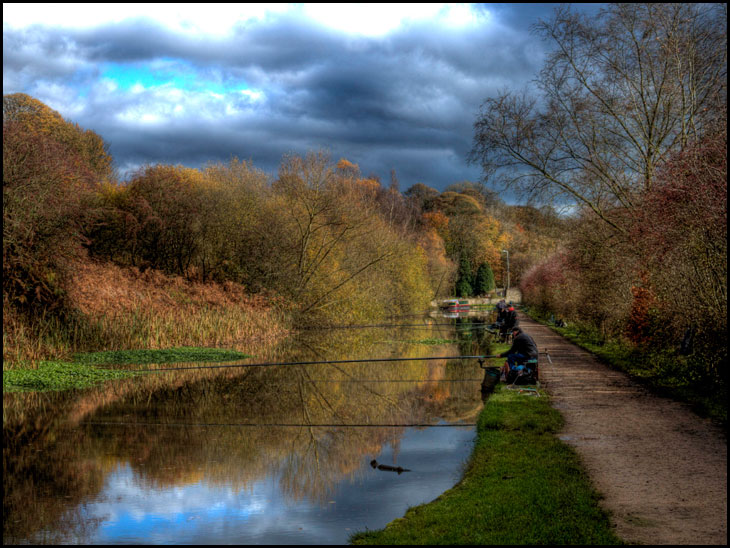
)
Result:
{"points": [[406, 101]]}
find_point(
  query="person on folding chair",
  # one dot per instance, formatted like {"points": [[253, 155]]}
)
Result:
{"points": [[523, 349]]}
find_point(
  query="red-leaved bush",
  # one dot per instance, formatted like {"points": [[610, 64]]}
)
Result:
{"points": [[545, 285], [680, 233]]}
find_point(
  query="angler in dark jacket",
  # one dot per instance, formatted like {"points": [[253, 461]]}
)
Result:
{"points": [[509, 320], [501, 309], [523, 349]]}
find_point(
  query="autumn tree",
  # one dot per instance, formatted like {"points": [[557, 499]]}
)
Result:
{"points": [[441, 270], [237, 227], [47, 190], [534, 234], [421, 195], [51, 171], [548, 286], [681, 235], [486, 197], [619, 93], [339, 243], [153, 221], [32, 115]]}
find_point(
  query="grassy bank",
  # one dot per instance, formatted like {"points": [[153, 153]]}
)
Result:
{"points": [[522, 486]]}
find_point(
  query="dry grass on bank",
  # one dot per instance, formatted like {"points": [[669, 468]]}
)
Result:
{"points": [[123, 308]]}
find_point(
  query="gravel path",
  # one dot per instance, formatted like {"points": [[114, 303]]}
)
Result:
{"points": [[661, 469]]}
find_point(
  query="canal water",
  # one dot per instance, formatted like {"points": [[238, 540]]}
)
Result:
{"points": [[249, 455]]}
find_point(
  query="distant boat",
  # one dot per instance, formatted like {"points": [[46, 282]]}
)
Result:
{"points": [[455, 304]]}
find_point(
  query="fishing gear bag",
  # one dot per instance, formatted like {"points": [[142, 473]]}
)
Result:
{"points": [[524, 373]]}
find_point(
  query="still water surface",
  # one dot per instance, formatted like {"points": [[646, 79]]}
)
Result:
{"points": [[240, 455]]}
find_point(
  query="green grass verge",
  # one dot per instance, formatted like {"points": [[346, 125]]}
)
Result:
{"points": [[83, 371], [522, 486]]}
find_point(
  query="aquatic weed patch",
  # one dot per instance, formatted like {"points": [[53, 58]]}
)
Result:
{"points": [[51, 375], [167, 355], [432, 341], [84, 370]]}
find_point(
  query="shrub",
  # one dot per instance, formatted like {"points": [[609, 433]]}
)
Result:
{"points": [[681, 233], [47, 188]]}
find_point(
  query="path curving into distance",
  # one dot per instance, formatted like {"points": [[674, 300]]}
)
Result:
{"points": [[661, 469]]}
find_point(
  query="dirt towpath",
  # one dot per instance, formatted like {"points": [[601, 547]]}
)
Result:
{"points": [[661, 469]]}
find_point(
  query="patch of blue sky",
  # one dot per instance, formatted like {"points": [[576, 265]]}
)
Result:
{"points": [[169, 73], [82, 81], [82, 90]]}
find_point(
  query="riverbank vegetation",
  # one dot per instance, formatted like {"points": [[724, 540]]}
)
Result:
{"points": [[176, 256], [612, 133], [522, 485], [88, 369], [115, 308]]}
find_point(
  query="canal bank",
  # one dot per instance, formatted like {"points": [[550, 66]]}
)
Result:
{"points": [[522, 485], [659, 471]]}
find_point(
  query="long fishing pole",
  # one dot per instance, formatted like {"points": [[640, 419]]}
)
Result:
{"points": [[272, 364], [385, 326], [480, 358], [283, 425]]}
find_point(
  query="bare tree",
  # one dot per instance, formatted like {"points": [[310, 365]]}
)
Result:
{"points": [[619, 93]]}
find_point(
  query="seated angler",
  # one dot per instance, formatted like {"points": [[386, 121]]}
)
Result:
{"points": [[509, 321], [523, 349]]}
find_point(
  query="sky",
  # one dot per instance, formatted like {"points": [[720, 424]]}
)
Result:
{"points": [[386, 86]]}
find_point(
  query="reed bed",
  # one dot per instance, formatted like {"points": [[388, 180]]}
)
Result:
{"points": [[121, 309]]}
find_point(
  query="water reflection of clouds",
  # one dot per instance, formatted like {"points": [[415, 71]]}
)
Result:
{"points": [[434, 456], [130, 510]]}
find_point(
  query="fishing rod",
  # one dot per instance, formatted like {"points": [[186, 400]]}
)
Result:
{"points": [[281, 425], [272, 364], [480, 358], [384, 326]]}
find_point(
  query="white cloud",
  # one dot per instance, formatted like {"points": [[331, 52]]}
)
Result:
{"points": [[379, 19], [166, 104], [220, 19], [252, 95], [211, 19]]}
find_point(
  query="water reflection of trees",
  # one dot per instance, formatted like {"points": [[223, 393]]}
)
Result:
{"points": [[198, 426]]}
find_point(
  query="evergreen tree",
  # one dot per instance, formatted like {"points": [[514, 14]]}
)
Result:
{"points": [[465, 278], [484, 281]]}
